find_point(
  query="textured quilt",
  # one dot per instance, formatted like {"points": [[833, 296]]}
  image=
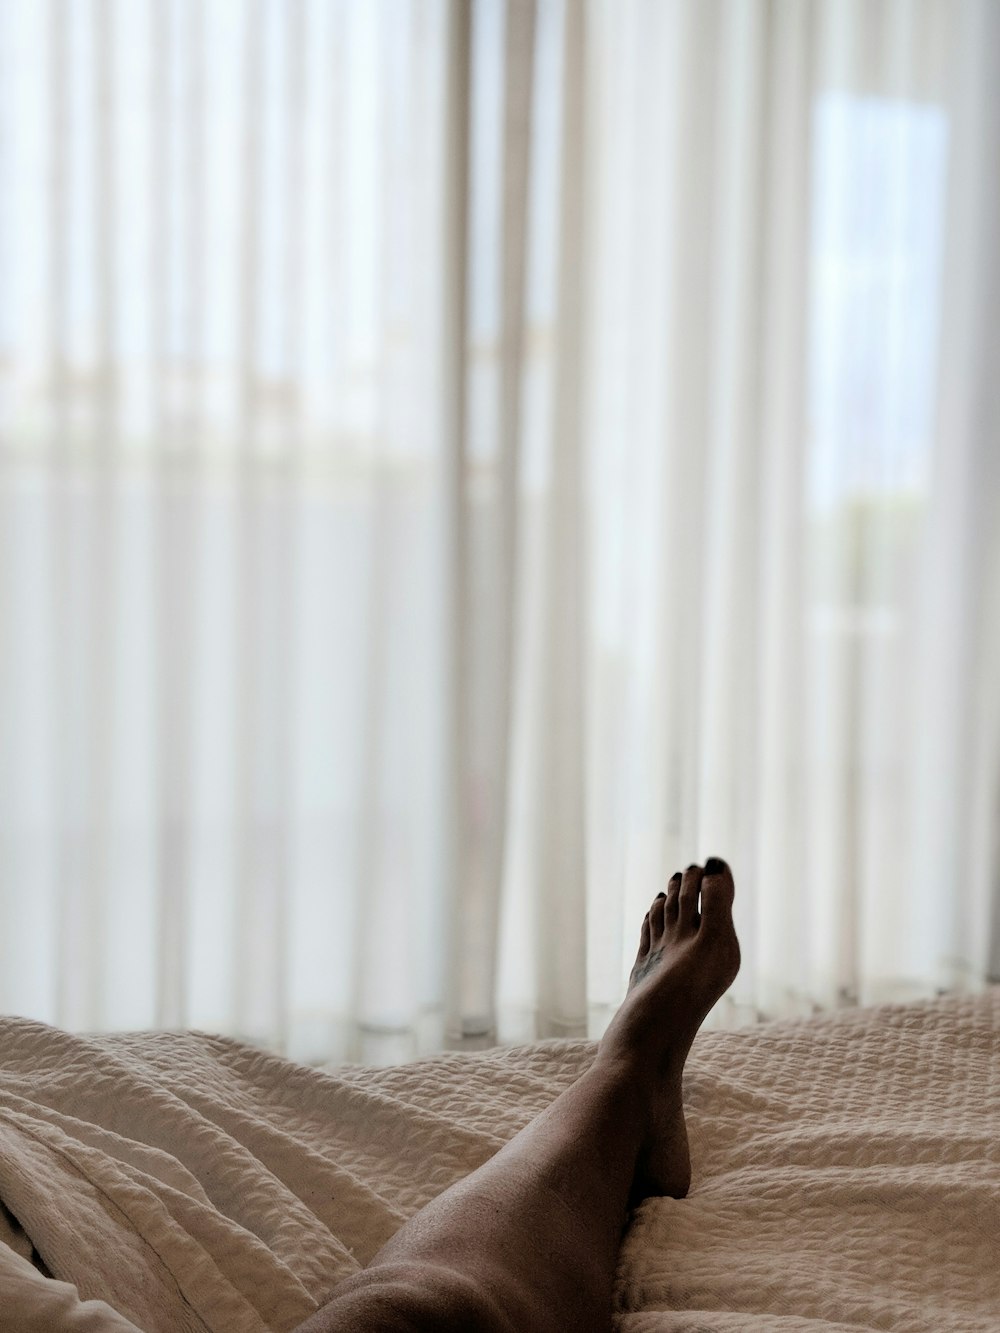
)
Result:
{"points": [[846, 1175]]}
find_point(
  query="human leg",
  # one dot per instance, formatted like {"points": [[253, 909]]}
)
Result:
{"points": [[530, 1240]]}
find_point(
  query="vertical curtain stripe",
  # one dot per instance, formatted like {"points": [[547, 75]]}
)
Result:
{"points": [[454, 552], [562, 981], [519, 68], [253, 983], [378, 571], [287, 509], [102, 450], [170, 578], [779, 907], [71, 918]]}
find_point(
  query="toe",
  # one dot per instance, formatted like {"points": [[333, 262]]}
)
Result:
{"points": [[656, 915], [673, 891], [644, 936], [717, 892], [687, 899]]}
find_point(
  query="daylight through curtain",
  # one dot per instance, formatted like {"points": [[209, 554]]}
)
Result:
{"points": [[460, 462]]}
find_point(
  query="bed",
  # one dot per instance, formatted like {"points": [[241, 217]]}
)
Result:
{"points": [[846, 1175]]}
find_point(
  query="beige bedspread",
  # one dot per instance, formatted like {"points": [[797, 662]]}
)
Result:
{"points": [[846, 1175]]}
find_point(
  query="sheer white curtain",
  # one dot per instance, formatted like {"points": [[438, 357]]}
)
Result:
{"points": [[460, 462]]}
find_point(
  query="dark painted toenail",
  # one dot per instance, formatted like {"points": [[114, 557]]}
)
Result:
{"points": [[715, 866], [692, 868], [676, 876], [660, 895]]}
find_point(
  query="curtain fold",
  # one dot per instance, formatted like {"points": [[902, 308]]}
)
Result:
{"points": [[460, 462]]}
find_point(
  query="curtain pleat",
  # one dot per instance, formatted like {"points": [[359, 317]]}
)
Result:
{"points": [[561, 883], [72, 905], [176, 446], [452, 552], [783, 898]]}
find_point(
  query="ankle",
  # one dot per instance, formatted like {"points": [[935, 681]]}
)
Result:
{"points": [[642, 1050]]}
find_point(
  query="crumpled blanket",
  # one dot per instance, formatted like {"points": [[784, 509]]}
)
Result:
{"points": [[846, 1175]]}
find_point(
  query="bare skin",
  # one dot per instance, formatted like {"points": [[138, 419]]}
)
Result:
{"points": [[529, 1242]]}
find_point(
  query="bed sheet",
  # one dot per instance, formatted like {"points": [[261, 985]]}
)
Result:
{"points": [[846, 1174]]}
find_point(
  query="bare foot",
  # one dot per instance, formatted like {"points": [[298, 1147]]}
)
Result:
{"points": [[688, 957]]}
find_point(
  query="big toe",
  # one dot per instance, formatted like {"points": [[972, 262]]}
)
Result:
{"points": [[717, 893]]}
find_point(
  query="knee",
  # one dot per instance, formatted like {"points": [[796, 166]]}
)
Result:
{"points": [[409, 1298]]}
